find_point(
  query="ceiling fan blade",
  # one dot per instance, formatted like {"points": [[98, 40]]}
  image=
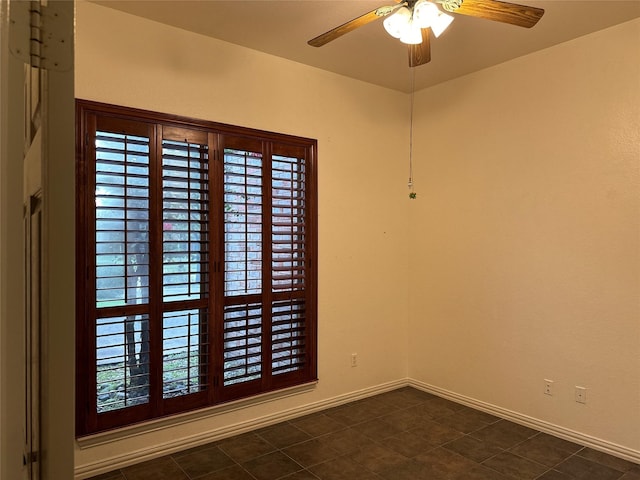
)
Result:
{"points": [[421, 53], [344, 28], [505, 12]]}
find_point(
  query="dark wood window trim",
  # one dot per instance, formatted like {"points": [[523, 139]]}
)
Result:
{"points": [[196, 264]]}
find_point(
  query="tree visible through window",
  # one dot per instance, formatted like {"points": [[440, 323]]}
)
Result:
{"points": [[196, 264]]}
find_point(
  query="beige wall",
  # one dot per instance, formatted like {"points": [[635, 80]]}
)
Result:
{"points": [[525, 235], [363, 300]]}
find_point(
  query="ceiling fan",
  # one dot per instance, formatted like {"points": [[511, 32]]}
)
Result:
{"points": [[412, 21]]}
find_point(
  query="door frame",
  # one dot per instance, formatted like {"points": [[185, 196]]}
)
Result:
{"points": [[57, 257]]}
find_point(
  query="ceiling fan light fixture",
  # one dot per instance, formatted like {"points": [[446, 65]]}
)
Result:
{"points": [[398, 23], [412, 35], [441, 23], [427, 15]]}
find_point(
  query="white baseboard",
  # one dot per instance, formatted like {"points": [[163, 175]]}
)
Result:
{"points": [[149, 453], [546, 427]]}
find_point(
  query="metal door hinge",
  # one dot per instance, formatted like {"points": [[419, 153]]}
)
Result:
{"points": [[29, 457], [40, 35]]}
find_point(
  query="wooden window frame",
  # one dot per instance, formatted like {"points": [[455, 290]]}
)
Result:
{"points": [[293, 292]]}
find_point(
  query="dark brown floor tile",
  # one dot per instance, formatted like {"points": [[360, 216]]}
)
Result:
{"points": [[373, 406], [515, 466], [245, 447], [461, 423], [480, 472], [438, 407], [342, 468], [415, 394], [235, 472], [473, 449], [477, 415], [554, 475], [608, 460], [403, 419], [504, 433], [392, 399], [159, 469], [346, 441], [546, 449], [442, 463], [403, 398], [407, 470], [271, 466], [200, 462], [377, 458], [189, 451], [435, 433], [430, 411], [351, 414], [377, 429], [116, 475], [408, 444], [317, 424], [283, 435], [630, 476], [301, 475], [584, 469], [311, 452]]}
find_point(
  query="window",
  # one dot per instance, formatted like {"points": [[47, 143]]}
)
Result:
{"points": [[196, 264]]}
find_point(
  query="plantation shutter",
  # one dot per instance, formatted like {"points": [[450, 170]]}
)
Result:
{"points": [[243, 317], [121, 244], [265, 327], [289, 255], [185, 266]]}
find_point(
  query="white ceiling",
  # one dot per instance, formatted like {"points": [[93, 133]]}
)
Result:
{"points": [[282, 28]]}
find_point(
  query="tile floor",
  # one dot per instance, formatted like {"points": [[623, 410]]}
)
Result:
{"points": [[405, 434]]}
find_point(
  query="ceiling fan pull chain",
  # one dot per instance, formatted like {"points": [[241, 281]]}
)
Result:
{"points": [[412, 193]]}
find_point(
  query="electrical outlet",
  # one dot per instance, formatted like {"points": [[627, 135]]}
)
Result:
{"points": [[581, 394], [548, 387], [354, 359]]}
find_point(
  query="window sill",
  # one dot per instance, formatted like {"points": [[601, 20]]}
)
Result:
{"points": [[143, 428]]}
